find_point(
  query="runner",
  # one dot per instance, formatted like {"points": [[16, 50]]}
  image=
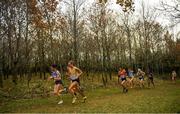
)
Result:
{"points": [[74, 73], [150, 78], [141, 75], [131, 76], [173, 77], [122, 76], [58, 87]]}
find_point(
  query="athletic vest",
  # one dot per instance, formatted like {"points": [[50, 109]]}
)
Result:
{"points": [[122, 73], [130, 73], [73, 73], [55, 74]]}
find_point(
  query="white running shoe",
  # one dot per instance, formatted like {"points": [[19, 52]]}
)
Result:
{"points": [[60, 102], [74, 100], [84, 99]]}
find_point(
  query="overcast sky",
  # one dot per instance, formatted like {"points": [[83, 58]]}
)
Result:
{"points": [[149, 4], [152, 4], [162, 19]]}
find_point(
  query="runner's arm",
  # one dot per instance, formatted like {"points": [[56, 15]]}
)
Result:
{"points": [[79, 72], [49, 78]]}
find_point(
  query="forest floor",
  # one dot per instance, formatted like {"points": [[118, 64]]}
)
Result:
{"points": [[165, 97]]}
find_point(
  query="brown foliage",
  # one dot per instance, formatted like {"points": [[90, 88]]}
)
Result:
{"points": [[37, 12], [51, 5]]}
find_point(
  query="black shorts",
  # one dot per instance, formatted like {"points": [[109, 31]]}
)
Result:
{"points": [[76, 80], [141, 78], [58, 82], [122, 79], [151, 78]]}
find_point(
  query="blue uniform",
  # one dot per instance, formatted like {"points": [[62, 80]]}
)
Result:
{"points": [[130, 73], [56, 74]]}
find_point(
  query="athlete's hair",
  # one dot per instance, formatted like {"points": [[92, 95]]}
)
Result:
{"points": [[54, 65], [71, 62]]}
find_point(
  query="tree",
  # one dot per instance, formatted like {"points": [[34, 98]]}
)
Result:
{"points": [[75, 21], [172, 9]]}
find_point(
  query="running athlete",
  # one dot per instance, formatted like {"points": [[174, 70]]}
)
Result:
{"points": [[74, 73], [58, 87], [173, 77], [141, 75], [131, 76], [122, 76], [150, 79]]}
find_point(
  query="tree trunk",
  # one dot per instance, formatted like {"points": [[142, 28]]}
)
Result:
{"points": [[75, 33], [1, 75], [1, 80]]}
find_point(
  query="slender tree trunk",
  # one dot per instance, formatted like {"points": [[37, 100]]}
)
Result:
{"points": [[130, 49], [1, 73], [1, 77], [26, 41], [75, 33]]}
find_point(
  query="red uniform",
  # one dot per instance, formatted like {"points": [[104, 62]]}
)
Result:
{"points": [[122, 73]]}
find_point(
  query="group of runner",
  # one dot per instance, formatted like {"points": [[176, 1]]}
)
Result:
{"points": [[126, 77], [74, 88]]}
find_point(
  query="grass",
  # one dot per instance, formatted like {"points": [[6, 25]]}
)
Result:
{"points": [[164, 98]]}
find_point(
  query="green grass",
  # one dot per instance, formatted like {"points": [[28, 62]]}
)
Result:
{"points": [[164, 98]]}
